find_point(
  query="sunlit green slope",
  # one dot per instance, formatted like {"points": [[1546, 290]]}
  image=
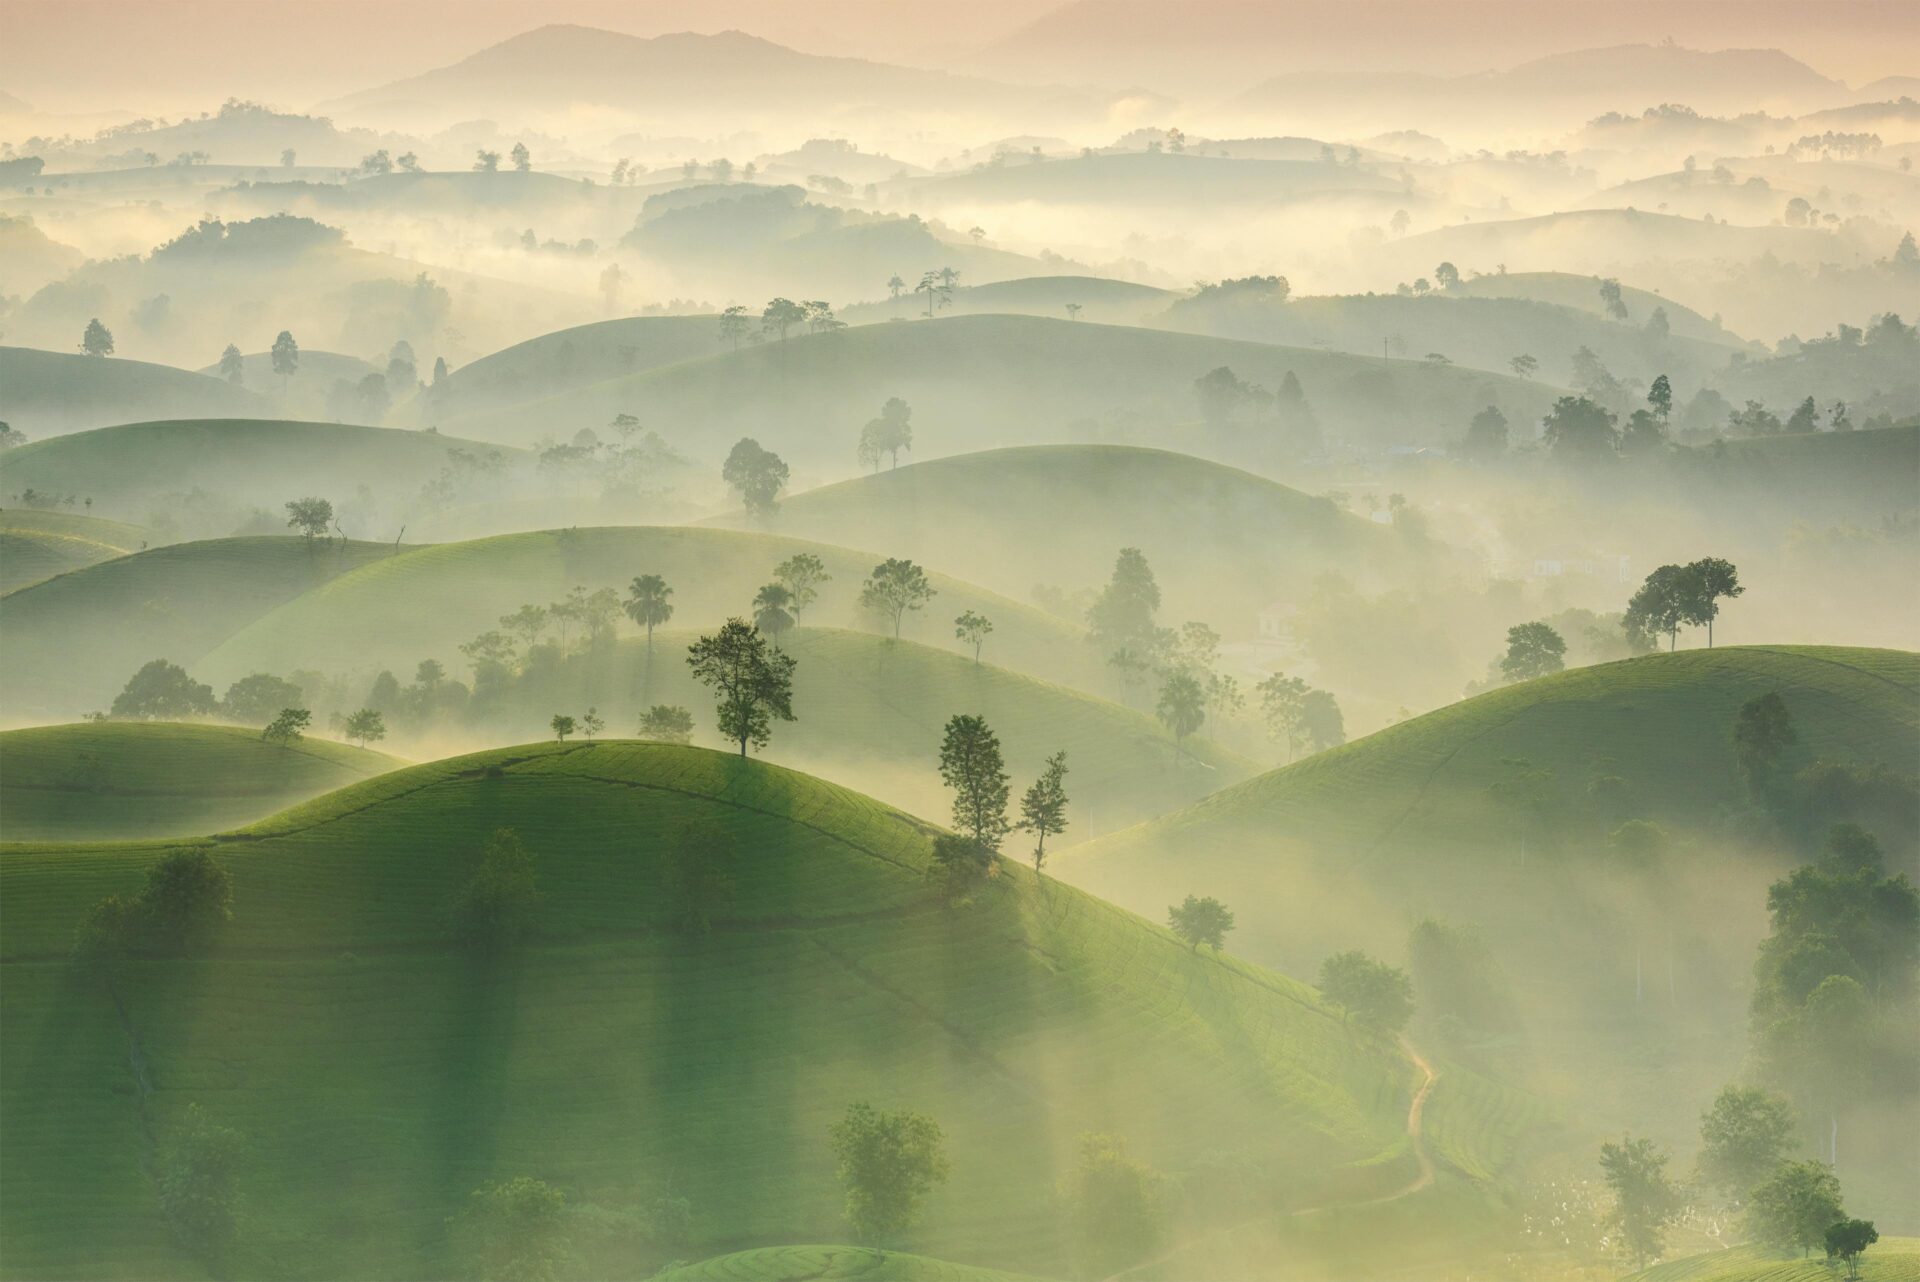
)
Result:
{"points": [[47, 393], [380, 1073], [1891, 1259], [1568, 289], [37, 544], [72, 641], [425, 603], [871, 712], [832, 1264], [122, 780]]}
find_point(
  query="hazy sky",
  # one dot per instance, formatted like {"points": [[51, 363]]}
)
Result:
{"points": [[171, 55]]}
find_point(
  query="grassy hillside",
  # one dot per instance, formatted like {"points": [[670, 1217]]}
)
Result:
{"points": [[871, 712], [121, 780], [153, 470], [426, 602], [1223, 543], [380, 1074], [1485, 333], [1110, 302], [1851, 478], [1151, 179], [563, 361], [1414, 813], [831, 1264], [1891, 1259], [50, 393], [1582, 293], [305, 393], [976, 382], [72, 641], [37, 543]]}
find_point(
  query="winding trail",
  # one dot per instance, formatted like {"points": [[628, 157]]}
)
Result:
{"points": [[1416, 1112]]}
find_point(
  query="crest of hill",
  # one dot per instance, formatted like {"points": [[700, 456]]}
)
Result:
{"points": [[132, 467], [1215, 535], [1112, 302], [620, 1050], [49, 393], [1582, 293], [1153, 179], [426, 602], [1891, 1259], [37, 544], [1858, 478], [73, 640], [566, 360], [1414, 809], [871, 711], [316, 366], [32, 257], [831, 1264], [137, 780], [977, 382], [1483, 332]]}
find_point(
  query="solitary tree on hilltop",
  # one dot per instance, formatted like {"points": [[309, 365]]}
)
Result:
{"points": [[888, 434], [486, 162], [365, 726], [972, 629], [888, 1163], [233, 366], [286, 358], [1533, 650], [98, 340], [895, 587], [1043, 810], [895, 287], [1708, 580], [562, 726], [753, 685], [311, 516], [288, 726], [522, 158], [1659, 606], [1201, 921], [591, 723], [757, 475], [1073, 311]]}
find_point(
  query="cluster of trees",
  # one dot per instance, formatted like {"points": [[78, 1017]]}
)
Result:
{"points": [[1300, 716], [1223, 396], [1674, 596], [163, 691], [179, 912], [888, 434], [1533, 650], [756, 474], [972, 765], [779, 317]]}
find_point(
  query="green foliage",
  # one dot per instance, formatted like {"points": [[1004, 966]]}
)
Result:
{"points": [[972, 629], [1182, 706], [1043, 810], [288, 726], [1533, 650], [889, 1163], [772, 613], [1744, 1135], [1201, 921], [499, 906], [1793, 1208], [1645, 1199], [187, 899], [801, 575], [256, 698], [667, 723], [515, 1231], [313, 517], [1580, 432], [364, 726], [1846, 1241], [562, 726], [1762, 732], [752, 685], [1486, 438], [757, 475], [647, 603], [971, 765], [1116, 1207], [1122, 617], [888, 434], [98, 340], [197, 1175], [162, 691], [895, 587], [1377, 994]]}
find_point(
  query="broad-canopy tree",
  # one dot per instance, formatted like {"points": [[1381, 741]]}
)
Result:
{"points": [[257, 696], [1116, 1207], [753, 686], [888, 434], [1793, 1208], [757, 475], [515, 1231], [667, 723], [895, 587], [1645, 1198], [1847, 1239], [1533, 650], [1200, 921], [972, 629], [971, 765], [781, 315], [197, 1175], [500, 904], [889, 1163], [1744, 1135], [772, 611], [98, 339], [311, 516], [233, 366], [1043, 810], [1486, 436], [1762, 732], [365, 726], [162, 691], [288, 726], [1377, 994], [1578, 430]]}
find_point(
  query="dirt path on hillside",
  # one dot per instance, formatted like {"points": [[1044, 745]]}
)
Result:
{"points": [[1416, 1114]]}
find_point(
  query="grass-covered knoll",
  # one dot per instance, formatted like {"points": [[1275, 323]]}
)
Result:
{"points": [[72, 641], [380, 1074], [310, 391], [871, 712], [562, 361], [1582, 293], [1159, 180], [1855, 478], [1111, 302], [50, 393], [147, 470], [1891, 1259], [1483, 332], [976, 382], [426, 602], [832, 1264], [1418, 812], [1224, 543], [38, 543], [127, 780]]}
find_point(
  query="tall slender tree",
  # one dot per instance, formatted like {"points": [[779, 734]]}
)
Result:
{"points": [[752, 685], [1043, 810]]}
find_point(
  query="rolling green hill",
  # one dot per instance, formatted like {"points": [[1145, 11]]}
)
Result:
{"points": [[1582, 293], [1891, 1259], [143, 468], [379, 1073], [130, 780], [426, 602], [50, 393], [72, 641], [36, 543], [1223, 543], [562, 362], [1853, 478], [871, 712], [1110, 302], [976, 382], [831, 1264], [305, 393]]}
